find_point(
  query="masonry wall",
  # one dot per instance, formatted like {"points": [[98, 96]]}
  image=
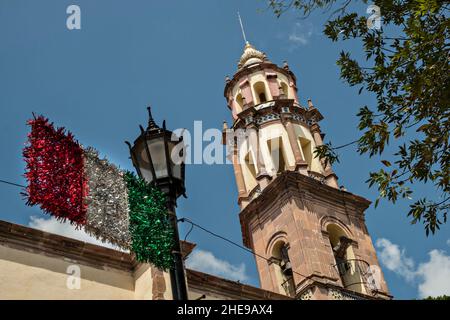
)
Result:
{"points": [[25, 275], [299, 216]]}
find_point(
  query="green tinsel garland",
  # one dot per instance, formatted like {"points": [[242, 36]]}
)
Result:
{"points": [[151, 232]]}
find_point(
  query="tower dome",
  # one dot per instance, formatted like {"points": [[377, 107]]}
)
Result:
{"points": [[251, 56]]}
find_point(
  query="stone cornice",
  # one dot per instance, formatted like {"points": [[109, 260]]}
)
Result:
{"points": [[207, 283], [377, 295], [291, 184], [52, 245], [276, 110]]}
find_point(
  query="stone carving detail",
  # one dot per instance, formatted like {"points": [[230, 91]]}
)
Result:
{"points": [[249, 120], [299, 117], [256, 192], [312, 120], [338, 295], [268, 117], [335, 295], [317, 176], [307, 295]]}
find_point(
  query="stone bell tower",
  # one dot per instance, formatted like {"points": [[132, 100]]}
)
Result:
{"points": [[293, 212]]}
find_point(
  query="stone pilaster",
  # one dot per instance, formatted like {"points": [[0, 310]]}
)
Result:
{"points": [[246, 93], [242, 192], [159, 284], [300, 164], [273, 84], [330, 176], [262, 177]]}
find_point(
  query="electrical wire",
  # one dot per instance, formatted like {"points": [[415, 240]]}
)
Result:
{"points": [[189, 232], [12, 183], [184, 219]]}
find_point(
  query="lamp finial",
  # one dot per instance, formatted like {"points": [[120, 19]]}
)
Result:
{"points": [[151, 123]]}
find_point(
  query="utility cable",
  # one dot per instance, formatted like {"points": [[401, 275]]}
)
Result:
{"points": [[12, 183], [232, 242]]}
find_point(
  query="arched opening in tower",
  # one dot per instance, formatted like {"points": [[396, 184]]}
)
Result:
{"points": [[283, 268], [277, 154], [305, 145], [350, 270], [249, 172], [250, 164], [285, 90], [260, 92], [240, 103]]}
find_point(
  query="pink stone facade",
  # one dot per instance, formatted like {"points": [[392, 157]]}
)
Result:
{"points": [[299, 211]]}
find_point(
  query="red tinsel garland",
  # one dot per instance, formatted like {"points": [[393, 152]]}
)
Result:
{"points": [[55, 173]]}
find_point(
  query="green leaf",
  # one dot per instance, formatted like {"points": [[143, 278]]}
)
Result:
{"points": [[386, 163]]}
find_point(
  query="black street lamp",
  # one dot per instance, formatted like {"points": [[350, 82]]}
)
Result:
{"points": [[155, 157]]}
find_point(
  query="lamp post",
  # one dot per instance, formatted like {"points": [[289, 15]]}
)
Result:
{"points": [[157, 162]]}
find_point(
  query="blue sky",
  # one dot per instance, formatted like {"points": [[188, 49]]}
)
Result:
{"points": [[175, 55]]}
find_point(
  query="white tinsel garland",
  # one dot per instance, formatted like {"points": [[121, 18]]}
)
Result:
{"points": [[107, 201]]}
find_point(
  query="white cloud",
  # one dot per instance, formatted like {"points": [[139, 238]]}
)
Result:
{"points": [[206, 262], [395, 259], [432, 277], [65, 229], [300, 34], [298, 38], [435, 275]]}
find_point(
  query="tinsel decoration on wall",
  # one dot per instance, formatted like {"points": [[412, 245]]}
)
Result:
{"points": [[151, 232], [73, 183], [54, 170], [106, 201]]}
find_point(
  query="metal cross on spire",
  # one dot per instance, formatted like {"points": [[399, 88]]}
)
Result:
{"points": [[242, 28]]}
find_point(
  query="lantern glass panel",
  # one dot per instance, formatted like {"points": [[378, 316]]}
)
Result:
{"points": [[157, 152], [177, 153]]}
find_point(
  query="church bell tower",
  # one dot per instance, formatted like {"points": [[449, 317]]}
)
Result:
{"points": [[311, 232]]}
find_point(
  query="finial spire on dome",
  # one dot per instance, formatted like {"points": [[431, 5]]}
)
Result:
{"points": [[250, 55], [242, 28]]}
